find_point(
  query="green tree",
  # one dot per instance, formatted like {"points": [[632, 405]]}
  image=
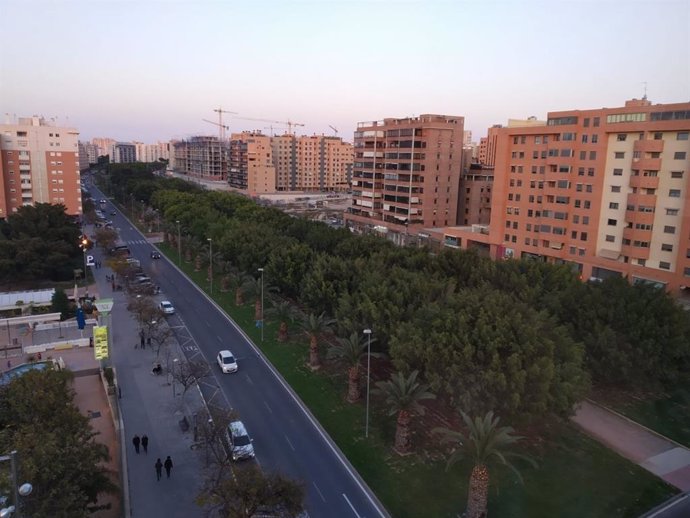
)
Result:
{"points": [[60, 304], [59, 457], [284, 312], [486, 443], [314, 326], [349, 351], [106, 238], [402, 396]]}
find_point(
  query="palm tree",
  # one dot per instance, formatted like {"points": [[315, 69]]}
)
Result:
{"points": [[403, 394], [282, 311], [349, 351], [485, 443], [313, 326], [206, 261], [243, 284], [228, 271]]}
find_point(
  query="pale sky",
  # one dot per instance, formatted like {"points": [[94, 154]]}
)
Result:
{"points": [[151, 70]]}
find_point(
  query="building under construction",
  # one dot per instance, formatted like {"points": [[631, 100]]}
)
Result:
{"points": [[202, 157]]}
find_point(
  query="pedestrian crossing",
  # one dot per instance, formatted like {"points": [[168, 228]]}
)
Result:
{"points": [[137, 242]]}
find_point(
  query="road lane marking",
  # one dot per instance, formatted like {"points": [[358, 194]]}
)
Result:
{"points": [[319, 491], [269, 408], [207, 324], [219, 339], [351, 506], [249, 379], [291, 446]]}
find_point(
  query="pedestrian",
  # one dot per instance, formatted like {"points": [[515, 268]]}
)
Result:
{"points": [[168, 465], [145, 443], [141, 338], [135, 442], [159, 469], [9, 364], [112, 285], [39, 356]]}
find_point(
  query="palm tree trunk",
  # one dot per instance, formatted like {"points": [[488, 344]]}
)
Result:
{"points": [[402, 433], [257, 309], [314, 361], [478, 493], [197, 263], [353, 384], [283, 332], [239, 297]]}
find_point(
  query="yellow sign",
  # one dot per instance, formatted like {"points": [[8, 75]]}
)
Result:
{"points": [[100, 342]]}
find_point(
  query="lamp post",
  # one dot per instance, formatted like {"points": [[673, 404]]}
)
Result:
{"points": [[261, 270], [131, 203], [210, 261], [368, 333], [175, 360], [179, 244], [23, 490]]}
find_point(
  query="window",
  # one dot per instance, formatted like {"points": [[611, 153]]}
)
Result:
{"points": [[668, 229], [682, 135], [585, 123], [617, 172], [610, 239], [666, 247], [686, 272], [671, 212], [613, 205], [621, 137], [595, 122], [619, 154], [595, 139], [658, 135], [584, 138], [615, 188], [676, 174], [679, 155], [664, 265], [612, 222], [583, 236], [674, 193], [583, 155]]}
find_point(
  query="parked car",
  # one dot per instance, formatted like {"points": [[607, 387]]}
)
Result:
{"points": [[167, 307], [155, 254], [240, 443], [226, 361]]}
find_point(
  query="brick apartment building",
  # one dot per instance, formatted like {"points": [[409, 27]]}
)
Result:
{"points": [[406, 175], [604, 190], [251, 168], [39, 163]]}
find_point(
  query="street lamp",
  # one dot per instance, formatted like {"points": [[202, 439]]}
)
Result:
{"points": [[368, 333], [210, 261], [175, 360], [23, 490], [131, 203], [261, 270], [179, 244]]}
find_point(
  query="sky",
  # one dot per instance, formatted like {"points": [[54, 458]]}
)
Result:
{"points": [[152, 70]]}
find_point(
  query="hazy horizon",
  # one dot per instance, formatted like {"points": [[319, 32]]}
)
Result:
{"points": [[152, 70]]}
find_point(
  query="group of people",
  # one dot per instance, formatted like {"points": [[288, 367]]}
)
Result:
{"points": [[143, 442]]}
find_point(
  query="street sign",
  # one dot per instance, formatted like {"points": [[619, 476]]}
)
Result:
{"points": [[90, 261], [100, 342]]}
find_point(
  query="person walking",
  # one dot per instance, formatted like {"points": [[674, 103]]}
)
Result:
{"points": [[168, 465], [145, 443], [159, 469], [141, 338], [135, 442]]}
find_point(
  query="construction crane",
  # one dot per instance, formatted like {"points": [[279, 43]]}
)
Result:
{"points": [[334, 129], [222, 127], [287, 123]]}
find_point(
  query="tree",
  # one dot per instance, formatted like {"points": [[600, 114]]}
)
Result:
{"points": [[212, 429], [60, 304], [251, 492], [402, 396], [59, 457], [313, 326], [485, 443], [189, 373], [349, 352], [283, 312], [106, 237]]}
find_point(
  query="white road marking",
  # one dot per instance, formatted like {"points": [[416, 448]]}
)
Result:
{"points": [[318, 491], [269, 408], [351, 506], [249, 379], [219, 339], [207, 324], [291, 446]]}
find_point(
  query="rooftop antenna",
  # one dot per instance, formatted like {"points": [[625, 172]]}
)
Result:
{"points": [[644, 97]]}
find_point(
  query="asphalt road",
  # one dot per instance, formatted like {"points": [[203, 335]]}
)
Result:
{"points": [[286, 437]]}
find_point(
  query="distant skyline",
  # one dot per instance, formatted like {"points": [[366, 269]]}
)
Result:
{"points": [[152, 70]]}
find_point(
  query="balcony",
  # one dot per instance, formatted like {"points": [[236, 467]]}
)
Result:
{"points": [[644, 182], [648, 146], [650, 164]]}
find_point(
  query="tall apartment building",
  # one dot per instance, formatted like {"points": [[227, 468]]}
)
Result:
{"points": [[103, 145], [39, 163], [88, 154], [251, 168], [474, 202], [316, 163], [605, 190], [123, 153], [152, 152], [406, 175], [201, 157]]}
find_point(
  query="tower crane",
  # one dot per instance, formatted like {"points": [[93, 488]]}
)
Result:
{"points": [[287, 123], [222, 127], [334, 129]]}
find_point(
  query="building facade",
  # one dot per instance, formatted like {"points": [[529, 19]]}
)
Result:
{"points": [[406, 175], [474, 203], [123, 153], [152, 152], [251, 168], [202, 157], [603, 190], [39, 163]]}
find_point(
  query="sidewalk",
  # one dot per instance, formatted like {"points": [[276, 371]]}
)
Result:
{"points": [[666, 459], [148, 407]]}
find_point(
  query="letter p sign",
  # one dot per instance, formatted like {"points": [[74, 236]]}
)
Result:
{"points": [[90, 261]]}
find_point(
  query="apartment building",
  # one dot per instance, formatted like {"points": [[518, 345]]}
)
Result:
{"points": [[201, 157], [103, 145], [474, 202], [152, 152], [123, 153], [406, 175], [604, 190], [39, 163], [251, 168], [312, 163], [88, 154]]}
